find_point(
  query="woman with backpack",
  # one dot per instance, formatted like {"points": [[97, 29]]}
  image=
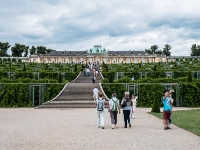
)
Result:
{"points": [[113, 109], [126, 105], [100, 102]]}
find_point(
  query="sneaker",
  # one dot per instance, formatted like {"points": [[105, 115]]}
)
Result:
{"points": [[125, 126], [129, 125], [113, 126], [165, 128], [102, 127], [168, 127]]}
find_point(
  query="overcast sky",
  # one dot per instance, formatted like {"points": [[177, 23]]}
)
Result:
{"points": [[114, 24]]}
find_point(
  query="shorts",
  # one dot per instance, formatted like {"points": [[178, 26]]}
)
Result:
{"points": [[166, 115]]}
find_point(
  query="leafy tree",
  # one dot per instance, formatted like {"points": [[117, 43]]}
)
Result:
{"points": [[195, 50], [26, 51], [41, 50], [166, 50], [3, 49], [32, 50], [153, 50], [49, 50], [18, 49]]}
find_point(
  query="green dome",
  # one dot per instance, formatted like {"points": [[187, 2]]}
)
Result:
{"points": [[97, 50]]}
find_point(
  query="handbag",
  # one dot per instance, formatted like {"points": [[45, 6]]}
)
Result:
{"points": [[124, 104]]}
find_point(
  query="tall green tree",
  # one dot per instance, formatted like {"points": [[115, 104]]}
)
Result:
{"points": [[4, 48], [41, 50], [166, 50], [18, 49], [32, 50], [195, 50], [153, 50]]}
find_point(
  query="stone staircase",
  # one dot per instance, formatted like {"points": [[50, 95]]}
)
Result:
{"points": [[77, 94]]}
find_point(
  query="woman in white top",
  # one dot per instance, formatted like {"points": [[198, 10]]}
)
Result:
{"points": [[134, 101]]}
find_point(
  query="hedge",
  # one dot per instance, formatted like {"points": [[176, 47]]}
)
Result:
{"points": [[17, 95]]}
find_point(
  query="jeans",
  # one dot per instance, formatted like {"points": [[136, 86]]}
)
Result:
{"points": [[126, 117], [100, 115]]}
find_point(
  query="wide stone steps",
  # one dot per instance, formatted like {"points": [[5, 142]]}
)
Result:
{"points": [[77, 94]]}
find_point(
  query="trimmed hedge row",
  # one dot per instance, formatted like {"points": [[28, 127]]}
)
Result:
{"points": [[189, 93], [17, 95]]}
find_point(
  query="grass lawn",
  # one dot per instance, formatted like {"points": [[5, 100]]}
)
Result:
{"points": [[186, 119]]}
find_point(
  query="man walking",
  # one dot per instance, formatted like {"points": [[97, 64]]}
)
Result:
{"points": [[114, 109]]}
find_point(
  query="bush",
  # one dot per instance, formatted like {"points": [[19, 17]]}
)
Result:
{"points": [[155, 107]]}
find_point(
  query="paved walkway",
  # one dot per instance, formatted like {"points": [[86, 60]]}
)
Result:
{"points": [[63, 129]]}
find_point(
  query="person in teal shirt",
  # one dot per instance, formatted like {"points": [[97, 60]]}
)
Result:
{"points": [[166, 109]]}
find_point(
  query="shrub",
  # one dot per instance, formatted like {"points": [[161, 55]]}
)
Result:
{"points": [[155, 107]]}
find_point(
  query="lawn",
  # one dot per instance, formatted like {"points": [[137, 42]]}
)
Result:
{"points": [[186, 119]]}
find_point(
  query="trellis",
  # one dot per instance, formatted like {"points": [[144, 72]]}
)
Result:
{"points": [[195, 74], [143, 74], [36, 93], [118, 75]]}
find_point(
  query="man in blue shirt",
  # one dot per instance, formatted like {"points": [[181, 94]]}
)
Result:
{"points": [[166, 109]]}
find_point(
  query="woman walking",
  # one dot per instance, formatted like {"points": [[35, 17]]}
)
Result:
{"points": [[126, 105], [100, 101], [134, 102]]}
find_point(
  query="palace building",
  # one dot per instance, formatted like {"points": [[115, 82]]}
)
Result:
{"points": [[97, 54]]}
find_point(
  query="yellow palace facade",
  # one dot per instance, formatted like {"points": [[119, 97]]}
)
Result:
{"points": [[97, 54]]}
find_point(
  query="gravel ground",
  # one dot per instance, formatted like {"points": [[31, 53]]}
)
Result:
{"points": [[63, 129]]}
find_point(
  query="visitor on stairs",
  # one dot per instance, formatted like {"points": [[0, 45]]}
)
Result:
{"points": [[93, 80], [134, 102], [95, 93], [100, 102], [126, 109], [114, 109]]}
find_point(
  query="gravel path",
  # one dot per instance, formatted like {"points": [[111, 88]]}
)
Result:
{"points": [[62, 129]]}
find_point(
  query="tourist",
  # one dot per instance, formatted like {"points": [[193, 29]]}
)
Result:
{"points": [[96, 71], [95, 93], [126, 105], [134, 102], [114, 109], [100, 102], [87, 72], [166, 109], [93, 80]]}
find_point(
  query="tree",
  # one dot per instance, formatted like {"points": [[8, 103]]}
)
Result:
{"points": [[26, 51], [153, 50], [3, 49], [41, 50], [32, 50], [166, 50], [195, 50], [155, 107], [18, 49]]}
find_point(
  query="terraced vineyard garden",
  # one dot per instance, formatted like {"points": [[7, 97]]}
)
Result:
{"points": [[31, 84], [150, 80]]}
